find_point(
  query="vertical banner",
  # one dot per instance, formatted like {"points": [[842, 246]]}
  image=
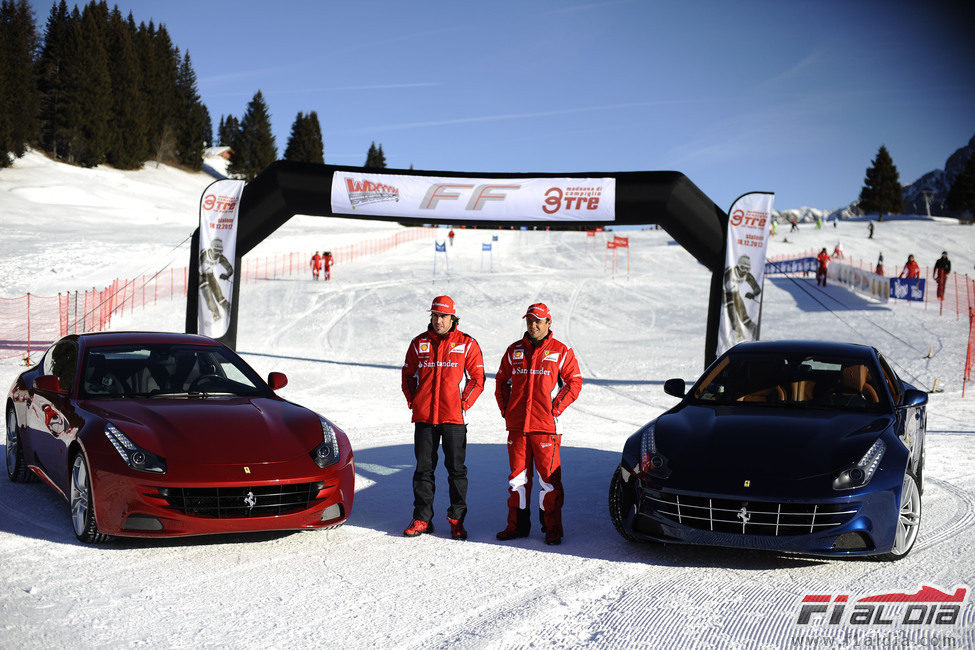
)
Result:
{"points": [[218, 247], [744, 269]]}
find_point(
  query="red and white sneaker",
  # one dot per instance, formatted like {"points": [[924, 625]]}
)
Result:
{"points": [[457, 529], [418, 528]]}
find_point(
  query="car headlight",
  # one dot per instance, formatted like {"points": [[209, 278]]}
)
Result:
{"points": [[861, 473], [326, 453], [652, 462], [134, 456]]}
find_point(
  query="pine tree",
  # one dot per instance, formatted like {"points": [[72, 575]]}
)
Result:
{"points": [[228, 131], [92, 88], [882, 192], [128, 141], [375, 158], [19, 98], [305, 142], [190, 118], [961, 196], [254, 147], [53, 65]]}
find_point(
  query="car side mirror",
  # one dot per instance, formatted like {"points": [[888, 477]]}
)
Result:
{"points": [[48, 384], [675, 387], [277, 380], [914, 397]]}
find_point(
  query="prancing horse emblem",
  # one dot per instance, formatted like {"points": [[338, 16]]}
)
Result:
{"points": [[250, 501], [743, 515]]}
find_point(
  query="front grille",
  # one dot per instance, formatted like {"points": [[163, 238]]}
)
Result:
{"points": [[750, 517], [238, 502]]}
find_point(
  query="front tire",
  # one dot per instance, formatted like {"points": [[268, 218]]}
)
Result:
{"points": [[17, 470], [619, 504], [908, 519], [83, 503]]}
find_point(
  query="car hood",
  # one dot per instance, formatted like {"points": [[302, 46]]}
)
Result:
{"points": [[217, 430], [763, 442]]}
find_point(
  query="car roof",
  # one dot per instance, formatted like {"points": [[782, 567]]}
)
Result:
{"points": [[796, 346], [98, 339]]}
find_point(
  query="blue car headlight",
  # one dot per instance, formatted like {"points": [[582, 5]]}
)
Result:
{"points": [[652, 462], [134, 456], [861, 473], [326, 453]]}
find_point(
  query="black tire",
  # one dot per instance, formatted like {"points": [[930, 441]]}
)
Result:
{"points": [[908, 519], [17, 470], [617, 505], [82, 503]]}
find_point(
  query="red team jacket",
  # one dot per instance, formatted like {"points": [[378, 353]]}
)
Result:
{"points": [[432, 374], [528, 378]]}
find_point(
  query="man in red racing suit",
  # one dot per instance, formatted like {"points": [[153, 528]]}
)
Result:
{"points": [[532, 370], [437, 361]]}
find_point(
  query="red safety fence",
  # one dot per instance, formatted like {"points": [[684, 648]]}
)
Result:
{"points": [[971, 351], [30, 323]]}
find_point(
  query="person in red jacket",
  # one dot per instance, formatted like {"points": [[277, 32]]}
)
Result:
{"points": [[911, 269], [315, 264], [539, 377], [823, 259], [327, 262], [437, 361]]}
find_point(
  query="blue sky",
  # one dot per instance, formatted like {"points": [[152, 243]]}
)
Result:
{"points": [[791, 97]]}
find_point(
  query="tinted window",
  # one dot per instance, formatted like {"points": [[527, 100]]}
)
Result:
{"points": [[165, 369], [62, 361], [792, 380]]}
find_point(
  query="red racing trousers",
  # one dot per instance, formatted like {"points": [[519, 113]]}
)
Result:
{"points": [[541, 452]]}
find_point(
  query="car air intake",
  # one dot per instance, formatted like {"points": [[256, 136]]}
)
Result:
{"points": [[750, 517], [241, 502]]}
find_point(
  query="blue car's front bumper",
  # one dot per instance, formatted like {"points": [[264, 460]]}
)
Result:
{"points": [[860, 522]]}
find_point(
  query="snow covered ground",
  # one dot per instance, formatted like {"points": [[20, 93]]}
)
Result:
{"points": [[341, 344]]}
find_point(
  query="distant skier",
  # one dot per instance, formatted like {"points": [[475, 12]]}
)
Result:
{"points": [[838, 251], [316, 265], [823, 259], [870, 230], [941, 270], [209, 284], [880, 265], [450, 236]]}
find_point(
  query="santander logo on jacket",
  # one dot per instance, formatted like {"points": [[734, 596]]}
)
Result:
{"points": [[434, 369], [535, 384]]}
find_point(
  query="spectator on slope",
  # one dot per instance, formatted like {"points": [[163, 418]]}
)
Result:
{"points": [[870, 230], [838, 250], [880, 265], [316, 265], [823, 259], [437, 360], [941, 270], [450, 236], [911, 269], [538, 379], [327, 262]]}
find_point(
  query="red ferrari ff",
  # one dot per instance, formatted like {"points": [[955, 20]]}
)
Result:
{"points": [[159, 435]]}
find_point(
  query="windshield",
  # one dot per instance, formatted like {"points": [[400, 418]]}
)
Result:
{"points": [[801, 380], [151, 370]]}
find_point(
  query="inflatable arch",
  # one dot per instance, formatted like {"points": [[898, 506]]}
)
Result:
{"points": [[665, 198]]}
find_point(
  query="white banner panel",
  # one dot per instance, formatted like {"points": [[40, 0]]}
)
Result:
{"points": [[218, 247], [744, 269], [461, 199]]}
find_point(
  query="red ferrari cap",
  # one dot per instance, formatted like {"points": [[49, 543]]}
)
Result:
{"points": [[539, 311], [443, 305]]}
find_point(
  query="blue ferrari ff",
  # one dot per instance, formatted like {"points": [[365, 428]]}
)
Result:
{"points": [[796, 446]]}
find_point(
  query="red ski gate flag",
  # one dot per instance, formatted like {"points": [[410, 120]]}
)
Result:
{"points": [[744, 269]]}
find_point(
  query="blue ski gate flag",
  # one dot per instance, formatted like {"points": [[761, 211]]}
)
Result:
{"points": [[440, 247], [485, 247]]}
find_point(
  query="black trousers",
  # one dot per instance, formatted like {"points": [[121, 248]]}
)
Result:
{"points": [[427, 438]]}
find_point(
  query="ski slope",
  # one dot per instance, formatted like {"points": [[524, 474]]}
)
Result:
{"points": [[342, 343]]}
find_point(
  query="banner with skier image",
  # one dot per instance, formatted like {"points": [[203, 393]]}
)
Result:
{"points": [[744, 269], [218, 246]]}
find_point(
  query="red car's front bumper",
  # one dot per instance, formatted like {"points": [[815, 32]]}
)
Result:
{"points": [[217, 499]]}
